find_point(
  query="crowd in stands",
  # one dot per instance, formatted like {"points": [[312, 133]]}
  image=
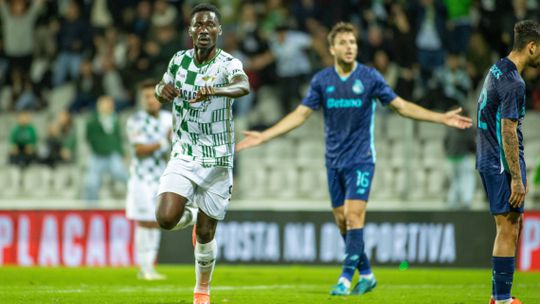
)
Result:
{"points": [[434, 52]]}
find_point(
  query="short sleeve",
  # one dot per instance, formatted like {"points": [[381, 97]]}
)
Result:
{"points": [[512, 99], [135, 132], [235, 68], [382, 90], [314, 96]]}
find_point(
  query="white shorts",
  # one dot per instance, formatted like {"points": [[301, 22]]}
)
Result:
{"points": [[207, 188], [141, 200]]}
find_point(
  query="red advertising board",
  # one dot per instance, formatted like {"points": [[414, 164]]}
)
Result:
{"points": [[67, 238], [529, 247]]}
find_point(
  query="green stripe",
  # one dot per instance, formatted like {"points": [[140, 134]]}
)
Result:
{"points": [[186, 61], [190, 78]]}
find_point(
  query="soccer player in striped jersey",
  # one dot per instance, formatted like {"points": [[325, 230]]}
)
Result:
{"points": [[201, 83], [499, 152], [148, 133], [348, 94]]}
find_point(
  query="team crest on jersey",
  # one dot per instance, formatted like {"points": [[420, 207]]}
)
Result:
{"points": [[208, 78], [330, 89], [358, 87]]}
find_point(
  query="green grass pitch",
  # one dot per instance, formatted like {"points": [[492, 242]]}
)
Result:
{"points": [[252, 284]]}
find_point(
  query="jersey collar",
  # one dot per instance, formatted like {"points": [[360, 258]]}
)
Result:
{"points": [[345, 78]]}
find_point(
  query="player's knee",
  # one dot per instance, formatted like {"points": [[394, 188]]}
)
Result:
{"points": [[353, 220], [509, 232], [166, 221], [204, 234]]}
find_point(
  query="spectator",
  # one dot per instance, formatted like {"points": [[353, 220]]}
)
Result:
{"points": [[430, 24], [276, 15], [104, 137], [100, 16], [532, 90], [460, 147], [61, 141], [256, 48], [18, 23], [137, 63], [293, 67], [479, 58], [140, 25], [113, 85], [455, 81], [164, 15], [306, 13], [23, 140], [88, 86], [164, 43], [519, 12], [403, 50], [459, 25], [23, 93], [73, 41]]}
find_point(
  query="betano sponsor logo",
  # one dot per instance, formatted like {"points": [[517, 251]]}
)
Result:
{"points": [[343, 103]]}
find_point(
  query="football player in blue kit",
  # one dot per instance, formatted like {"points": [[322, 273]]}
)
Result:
{"points": [[348, 93], [499, 151]]}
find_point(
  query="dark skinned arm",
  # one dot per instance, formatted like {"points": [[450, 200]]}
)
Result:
{"points": [[238, 87], [165, 93], [510, 145]]}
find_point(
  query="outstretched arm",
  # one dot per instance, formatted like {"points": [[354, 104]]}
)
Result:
{"points": [[410, 110], [510, 145], [293, 120]]}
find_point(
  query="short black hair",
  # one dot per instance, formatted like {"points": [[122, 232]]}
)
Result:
{"points": [[205, 7], [524, 32]]}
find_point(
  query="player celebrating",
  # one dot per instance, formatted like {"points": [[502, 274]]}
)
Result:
{"points": [[148, 133], [499, 156], [347, 92], [202, 83]]}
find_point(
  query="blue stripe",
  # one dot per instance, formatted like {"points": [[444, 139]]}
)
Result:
{"points": [[504, 164], [372, 129]]}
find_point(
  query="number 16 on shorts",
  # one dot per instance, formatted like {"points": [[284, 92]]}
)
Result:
{"points": [[363, 179]]}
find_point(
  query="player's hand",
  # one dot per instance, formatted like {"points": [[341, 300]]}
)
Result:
{"points": [[252, 139], [169, 92], [518, 193], [453, 119], [203, 93]]}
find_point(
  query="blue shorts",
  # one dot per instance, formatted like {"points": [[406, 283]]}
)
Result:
{"points": [[498, 190], [352, 183]]}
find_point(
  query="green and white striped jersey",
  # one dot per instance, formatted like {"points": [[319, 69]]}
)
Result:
{"points": [[143, 128], [204, 131]]}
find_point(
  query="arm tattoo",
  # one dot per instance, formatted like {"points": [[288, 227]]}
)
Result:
{"points": [[511, 147]]}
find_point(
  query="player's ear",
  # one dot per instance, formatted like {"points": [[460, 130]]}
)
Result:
{"points": [[532, 48], [220, 30], [332, 52]]}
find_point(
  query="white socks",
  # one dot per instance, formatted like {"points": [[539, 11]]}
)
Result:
{"points": [[147, 246], [345, 282], [367, 276], [205, 259]]}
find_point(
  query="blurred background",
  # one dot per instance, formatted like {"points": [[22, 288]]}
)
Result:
{"points": [[57, 58]]}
